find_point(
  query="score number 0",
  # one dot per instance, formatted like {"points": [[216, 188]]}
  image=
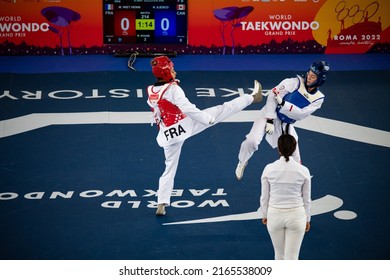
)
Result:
{"points": [[167, 23]]}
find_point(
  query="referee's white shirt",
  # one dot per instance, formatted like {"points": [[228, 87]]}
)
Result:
{"points": [[285, 185]]}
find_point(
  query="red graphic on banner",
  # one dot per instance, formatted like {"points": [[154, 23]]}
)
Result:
{"points": [[61, 19], [234, 16]]}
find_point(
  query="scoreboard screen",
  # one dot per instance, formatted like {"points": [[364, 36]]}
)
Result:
{"points": [[145, 21]]}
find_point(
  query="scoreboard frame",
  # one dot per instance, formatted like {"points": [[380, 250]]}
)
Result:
{"points": [[145, 22]]}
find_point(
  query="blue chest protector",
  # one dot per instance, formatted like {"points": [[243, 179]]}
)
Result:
{"points": [[300, 98]]}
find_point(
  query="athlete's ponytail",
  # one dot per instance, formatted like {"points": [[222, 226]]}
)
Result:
{"points": [[286, 145]]}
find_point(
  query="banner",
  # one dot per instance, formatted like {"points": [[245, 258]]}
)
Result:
{"points": [[214, 27], [49, 24], [290, 26]]}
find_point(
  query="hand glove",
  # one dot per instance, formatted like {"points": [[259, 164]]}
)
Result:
{"points": [[212, 121], [278, 98], [269, 127]]}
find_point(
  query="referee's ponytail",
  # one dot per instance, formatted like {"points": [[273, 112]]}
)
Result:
{"points": [[286, 145]]}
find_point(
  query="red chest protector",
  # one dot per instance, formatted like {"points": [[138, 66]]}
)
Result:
{"points": [[169, 113]]}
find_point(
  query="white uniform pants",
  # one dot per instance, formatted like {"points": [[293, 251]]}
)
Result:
{"points": [[172, 152], [286, 228], [253, 139]]}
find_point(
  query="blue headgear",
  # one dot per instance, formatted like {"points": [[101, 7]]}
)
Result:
{"points": [[320, 68]]}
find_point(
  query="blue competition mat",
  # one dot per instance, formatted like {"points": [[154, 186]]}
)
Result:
{"points": [[79, 168]]}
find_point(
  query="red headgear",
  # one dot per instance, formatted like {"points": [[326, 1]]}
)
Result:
{"points": [[161, 68]]}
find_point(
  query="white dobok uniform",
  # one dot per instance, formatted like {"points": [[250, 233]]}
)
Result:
{"points": [[299, 104], [179, 119]]}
